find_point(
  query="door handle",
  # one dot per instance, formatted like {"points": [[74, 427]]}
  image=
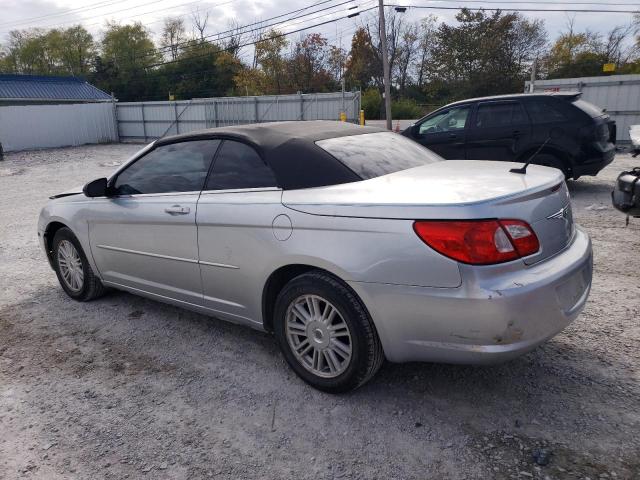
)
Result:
{"points": [[177, 210], [516, 133], [453, 135]]}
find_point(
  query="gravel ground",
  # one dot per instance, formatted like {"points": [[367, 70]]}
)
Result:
{"points": [[125, 387]]}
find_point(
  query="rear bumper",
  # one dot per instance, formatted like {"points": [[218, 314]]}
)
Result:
{"points": [[593, 165], [498, 313]]}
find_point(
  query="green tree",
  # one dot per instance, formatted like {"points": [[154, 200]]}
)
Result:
{"points": [[580, 54], [127, 62], [485, 54], [336, 61], [309, 66], [50, 52], [371, 103], [201, 69], [271, 60], [128, 47], [361, 63], [77, 50]]}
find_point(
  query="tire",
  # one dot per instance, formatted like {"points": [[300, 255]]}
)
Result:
{"points": [[548, 160], [346, 324], [69, 259]]}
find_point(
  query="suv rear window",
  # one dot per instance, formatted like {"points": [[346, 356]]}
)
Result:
{"points": [[542, 111], [375, 154]]}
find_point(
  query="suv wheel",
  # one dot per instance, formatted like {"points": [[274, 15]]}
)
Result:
{"points": [[325, 333], [548, 160]]}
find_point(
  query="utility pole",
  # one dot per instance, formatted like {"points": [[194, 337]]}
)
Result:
{"points": [[532, 83], [385, 65]]}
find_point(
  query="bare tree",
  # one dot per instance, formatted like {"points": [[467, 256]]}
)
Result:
{"points": [[200, 20], [407, 52], [615, 46], [396, 29], [426, 40], [233, 37], [336, 62], [257, 35], [173, 35]]}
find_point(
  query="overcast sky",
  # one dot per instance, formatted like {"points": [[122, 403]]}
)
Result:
{"points": [[93, 14]]}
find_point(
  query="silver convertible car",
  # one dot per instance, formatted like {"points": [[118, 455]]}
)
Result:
{"points": [[351, 244]]}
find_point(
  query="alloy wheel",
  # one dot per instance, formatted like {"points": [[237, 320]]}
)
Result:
{"points": [[70, 265], [318, 336]]}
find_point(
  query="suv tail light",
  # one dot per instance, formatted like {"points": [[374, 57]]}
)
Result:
{"points": [[602, 132], [479, 242]]}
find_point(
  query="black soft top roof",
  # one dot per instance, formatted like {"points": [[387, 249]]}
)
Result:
{"points": [[289, 149]]}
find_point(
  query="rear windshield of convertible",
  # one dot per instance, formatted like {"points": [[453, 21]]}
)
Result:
{"points": [[375, 154]]}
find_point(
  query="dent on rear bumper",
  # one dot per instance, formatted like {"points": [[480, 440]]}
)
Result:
{"points": [[498, 313]]}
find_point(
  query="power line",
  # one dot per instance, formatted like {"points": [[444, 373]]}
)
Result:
{"points": [[529, 2], [261, 26], [54, 25], [167, 75], [272, 37], [515, 9], [92, 6], [242, 30]]}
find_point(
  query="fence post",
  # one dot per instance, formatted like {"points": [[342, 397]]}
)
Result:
{"points": [[116, 125], [301, 107], [175, 112], [215, 113], [255, 106], [144, 124]]}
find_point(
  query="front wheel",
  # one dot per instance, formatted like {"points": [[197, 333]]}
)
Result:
{"points": [[72, 268], [325, 333]]}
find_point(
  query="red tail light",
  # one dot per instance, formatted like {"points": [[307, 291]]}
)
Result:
{"points": [[479, 242]]}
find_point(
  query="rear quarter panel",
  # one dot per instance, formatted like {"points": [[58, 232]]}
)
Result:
{"points": [[353, 249], [370, 250]]}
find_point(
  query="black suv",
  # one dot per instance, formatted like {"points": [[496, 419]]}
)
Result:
{"points": [[570, 134]]}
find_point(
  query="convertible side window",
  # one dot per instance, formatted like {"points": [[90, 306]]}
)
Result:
{"points": [[177, 167], [238, 166], [450, 120]]}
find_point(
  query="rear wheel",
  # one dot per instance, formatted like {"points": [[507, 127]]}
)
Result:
{"points": [[72, 268], [549, 160], [325, 333]]}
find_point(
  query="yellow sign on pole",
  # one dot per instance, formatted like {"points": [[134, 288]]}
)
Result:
{"points": [[609, 67], [172, 97]]}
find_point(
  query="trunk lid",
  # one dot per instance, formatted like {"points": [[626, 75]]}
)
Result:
{"points": [[453, 190]]}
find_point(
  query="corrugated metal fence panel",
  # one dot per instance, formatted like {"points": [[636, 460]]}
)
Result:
{"points": [[150, 120], [27, 127], [618, 94]]}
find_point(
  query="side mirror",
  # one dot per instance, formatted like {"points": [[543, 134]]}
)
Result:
{"points": [[96, 188], [415, 130]]}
